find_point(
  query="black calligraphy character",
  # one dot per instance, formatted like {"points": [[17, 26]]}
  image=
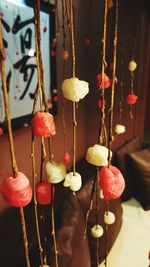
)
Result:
{"points": [[23, 67]]}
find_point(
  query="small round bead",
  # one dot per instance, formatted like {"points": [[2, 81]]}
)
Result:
{"points": [[97, 231], [109, 217], [132, 65]]}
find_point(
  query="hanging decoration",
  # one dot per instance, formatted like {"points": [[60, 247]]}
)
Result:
{"points": [[74, 90], [132, 97], [119, 127], [18, 185]]}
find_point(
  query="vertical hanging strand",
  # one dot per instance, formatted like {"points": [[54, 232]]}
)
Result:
{"points": [[113, 82], [63, 77], [111, 114], [11, 142], [73, 75], [34, 188], [103, 132]]}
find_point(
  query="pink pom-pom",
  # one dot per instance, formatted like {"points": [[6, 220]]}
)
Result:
{"points": [[43, 124], [44, 193], [107, 81], [17, 191], [132, 99], [111, 182]]}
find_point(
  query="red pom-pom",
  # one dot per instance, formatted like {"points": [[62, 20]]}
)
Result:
{"points": [[43, 124], [132, 99], [107, 81], [87, 41], [67, 159], [44, 193], [111, 182], [17, 191], [1, 131], [53, 53]]}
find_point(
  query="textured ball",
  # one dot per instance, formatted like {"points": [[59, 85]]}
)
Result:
{"points": [[132, 99], [97, 231], [56, 172], [97, 155], [109, 217], [43, 124], [73, 181], [65, 55], [119, 129], [132, 65], [111, 182], [44, 193], [66, 158], [17, 191], [73, 89], [107, 81]]}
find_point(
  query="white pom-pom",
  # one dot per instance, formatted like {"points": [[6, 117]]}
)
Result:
{"points": [[56, 172], [73, 89], [109, 217], [73, 181], [97, 231], [132, 65], [98, 155], [119, 129], [45, 265]]}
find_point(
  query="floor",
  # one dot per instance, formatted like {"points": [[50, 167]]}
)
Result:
{"points": [[132, 246]]}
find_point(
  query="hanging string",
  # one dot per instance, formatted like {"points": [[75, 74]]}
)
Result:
{"points": [[121, 80], [11, 142], [63, 77], [132, 75], [103, 131], [97, 210], [73, 75], [111, 115], [113, 83]]}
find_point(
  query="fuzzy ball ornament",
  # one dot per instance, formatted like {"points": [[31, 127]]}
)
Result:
{"points": [[44, 193], [74, 89], [107, 81], [120, 129], [73, 181], [56, 172], [17, 191], [132, 99], [111, 182], [43, 124], [109, 217], [97, 231], [132, 65], [97, 155]]}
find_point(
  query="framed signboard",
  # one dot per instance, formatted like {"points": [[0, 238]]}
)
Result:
{"points": [[19, 43]]}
